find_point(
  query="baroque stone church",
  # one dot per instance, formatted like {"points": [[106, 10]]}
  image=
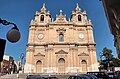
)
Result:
{"points": [[60, 45]]}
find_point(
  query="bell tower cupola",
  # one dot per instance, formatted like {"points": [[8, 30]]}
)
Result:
{"points": [[78, 16], [43, 17]]}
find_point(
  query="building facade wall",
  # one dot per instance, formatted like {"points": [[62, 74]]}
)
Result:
{"points": [[61, 46]]}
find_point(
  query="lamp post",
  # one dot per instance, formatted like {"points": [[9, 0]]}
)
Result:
{"points": [[22, 57], [12, 35]]}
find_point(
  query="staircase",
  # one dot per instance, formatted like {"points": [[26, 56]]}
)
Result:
{"points": [[24, 75], [14, 76]]}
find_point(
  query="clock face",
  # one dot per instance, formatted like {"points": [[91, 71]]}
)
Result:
{"points": [[81, 36], [40, 36]]}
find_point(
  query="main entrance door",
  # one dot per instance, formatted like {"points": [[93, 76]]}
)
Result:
{"points": [[61, 65], [38, 66], [84, 66]]}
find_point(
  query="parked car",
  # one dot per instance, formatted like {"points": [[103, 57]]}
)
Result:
{"points": [[34, 77], [92, 76], [117, 74], [78, 77], [111, 75], [100, 75], [51, 77]]}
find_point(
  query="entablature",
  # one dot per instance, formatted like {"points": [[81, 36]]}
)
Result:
{"points": [[66, 43]]}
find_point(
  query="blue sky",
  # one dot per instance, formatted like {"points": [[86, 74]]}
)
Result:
{"points": [[21, 12]]}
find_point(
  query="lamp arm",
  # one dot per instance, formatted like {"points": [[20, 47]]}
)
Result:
{"points": [[4, 22]]}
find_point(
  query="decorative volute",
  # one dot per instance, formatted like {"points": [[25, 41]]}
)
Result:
{"points": [[61, 18]]}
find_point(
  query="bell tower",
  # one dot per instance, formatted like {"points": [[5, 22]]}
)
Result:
{"points": [[78, 16], [43, 17]]}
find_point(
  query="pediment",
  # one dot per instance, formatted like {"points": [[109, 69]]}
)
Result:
{"points": [[60, 18], [39, 54], [83, 54], [61, 52]]}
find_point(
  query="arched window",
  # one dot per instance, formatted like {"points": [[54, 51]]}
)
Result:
{"points": [[84, 65], [79, 17], [61, 37], [42, 18], [61, 60], [61, 65], [39, 66], [84, 62], [39, 62]]}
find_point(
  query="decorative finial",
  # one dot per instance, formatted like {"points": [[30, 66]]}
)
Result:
{"points": [[43, 5], [32, 22], [60, 12], [84, 12], [43, 9], [89, 21], [77, 7], [48, 12]]}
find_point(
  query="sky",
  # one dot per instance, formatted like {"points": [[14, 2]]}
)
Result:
{"points": [[21, 12]]}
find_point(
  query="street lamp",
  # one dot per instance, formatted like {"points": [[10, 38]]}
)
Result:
{"points": [[22, 57], [12, 35]]}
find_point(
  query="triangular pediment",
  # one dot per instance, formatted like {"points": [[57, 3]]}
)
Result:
{"points": [[39, 54], [61, 52], [83, 54]]}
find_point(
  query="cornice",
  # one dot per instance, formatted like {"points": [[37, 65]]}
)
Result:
{"points": [[55, 23], [64, 43]]}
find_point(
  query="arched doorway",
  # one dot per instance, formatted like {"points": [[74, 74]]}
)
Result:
{"points": [[61, 65], [38, 66], [84, 66]]}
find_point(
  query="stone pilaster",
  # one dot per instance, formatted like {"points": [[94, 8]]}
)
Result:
{"points": [[90, 34]]}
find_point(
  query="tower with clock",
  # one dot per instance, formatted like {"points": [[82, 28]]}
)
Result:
{"points": [[60, 45]]}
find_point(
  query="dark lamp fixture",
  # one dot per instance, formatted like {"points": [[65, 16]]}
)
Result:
{"points": [[13, 35]]}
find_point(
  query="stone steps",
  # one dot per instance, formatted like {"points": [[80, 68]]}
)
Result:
{"points": [[23, 76], [9, 76]]}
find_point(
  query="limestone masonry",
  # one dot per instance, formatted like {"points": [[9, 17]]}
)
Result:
{"points": [[60, 45]]}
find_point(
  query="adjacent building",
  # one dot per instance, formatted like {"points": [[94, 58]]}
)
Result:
{"points": [[61, 45], [112, 10], [7, 65]]}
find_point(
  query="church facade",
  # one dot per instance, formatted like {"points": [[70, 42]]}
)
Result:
{"points": [[60, 45]]}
